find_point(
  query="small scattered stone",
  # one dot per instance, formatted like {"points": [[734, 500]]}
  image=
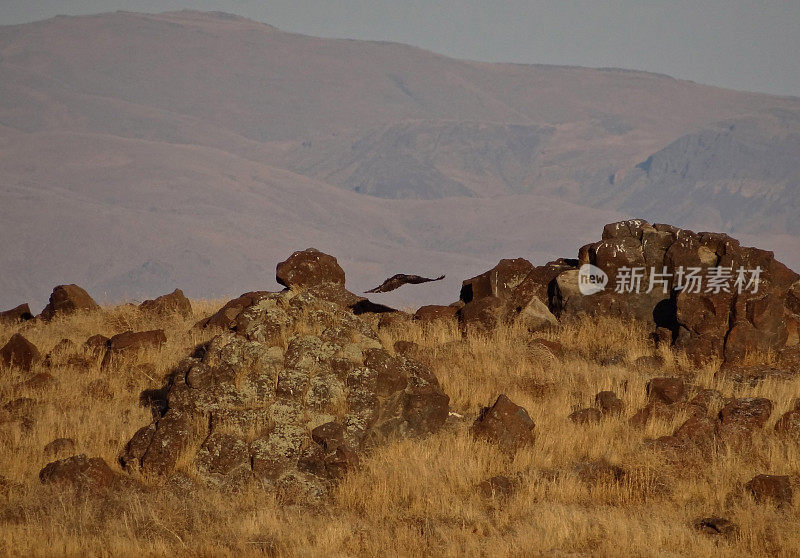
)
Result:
{"points": [[609, 403], [20, 353], [666, 390], [506, 424], [771, 488]]}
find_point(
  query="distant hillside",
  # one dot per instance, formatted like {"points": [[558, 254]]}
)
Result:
{"points": [[143, 152]]}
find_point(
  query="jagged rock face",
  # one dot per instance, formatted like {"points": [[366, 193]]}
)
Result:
{"points": [[288, 398], [713, 323], [513, 290], [67, 299]]}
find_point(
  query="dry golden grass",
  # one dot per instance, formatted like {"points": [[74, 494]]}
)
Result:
{"points": [[411, 497]]}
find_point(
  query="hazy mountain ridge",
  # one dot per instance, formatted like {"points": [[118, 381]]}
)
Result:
{"points": [[190, 149]]}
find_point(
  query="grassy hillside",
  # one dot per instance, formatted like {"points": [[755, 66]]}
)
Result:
{"points": [[413, 496]]}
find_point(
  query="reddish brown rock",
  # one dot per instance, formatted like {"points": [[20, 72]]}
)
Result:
{"points": [[68, 299], [789, 423], [174, 303], [609, 403], [406, 348], [320, 275], [771, 488], [482, 315], [21, 313], [707, 325], [223, 460], [243, 387], [747, 412], [434, 313], [20, 353], [91, 474], [654, 409], [586, 416], [700, 431], [498, 282], [666, 390], [329, 435], [136, 341], [555, 348], [505, 424], [512, 291]]}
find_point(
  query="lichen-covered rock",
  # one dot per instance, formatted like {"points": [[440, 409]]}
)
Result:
{"points": [[289, 395], [747, 412]]}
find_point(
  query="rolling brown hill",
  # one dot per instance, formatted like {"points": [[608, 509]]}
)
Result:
{"points": [[143, 152]]}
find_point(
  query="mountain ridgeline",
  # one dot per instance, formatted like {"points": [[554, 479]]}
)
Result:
{"points": [[142, 152]]}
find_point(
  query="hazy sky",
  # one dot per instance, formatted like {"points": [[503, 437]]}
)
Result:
{"points": [[731, 43]]}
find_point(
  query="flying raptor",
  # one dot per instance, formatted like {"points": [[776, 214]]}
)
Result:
{"points": [[397, 281]]}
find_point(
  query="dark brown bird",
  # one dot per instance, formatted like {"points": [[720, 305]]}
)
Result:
{"points": [[397, 281]]}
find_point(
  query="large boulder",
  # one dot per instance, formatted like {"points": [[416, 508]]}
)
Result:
{"points": [[68, 299], [288, 395], [321, 275], [174, 303], [19, 352]]}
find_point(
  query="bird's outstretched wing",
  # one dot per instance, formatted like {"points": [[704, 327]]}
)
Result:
{"points": [[397, 281]]}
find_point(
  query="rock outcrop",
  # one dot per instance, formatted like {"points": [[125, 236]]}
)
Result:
{"points": [[289, 395], [512, 291], [711, 296]]}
